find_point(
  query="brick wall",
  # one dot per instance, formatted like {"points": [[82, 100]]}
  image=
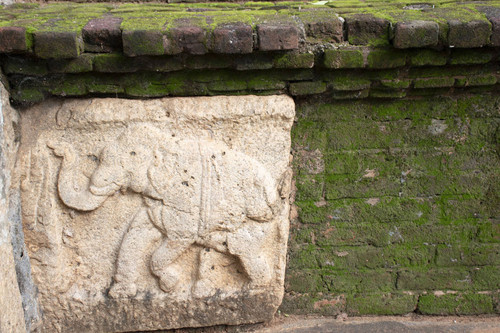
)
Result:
{"points": [[397, 207]]}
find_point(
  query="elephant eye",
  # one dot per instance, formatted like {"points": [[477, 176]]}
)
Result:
{"points": [[132, 153]]}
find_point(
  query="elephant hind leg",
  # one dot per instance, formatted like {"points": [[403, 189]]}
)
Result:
{"points": [[162, 259], [139, 236]]}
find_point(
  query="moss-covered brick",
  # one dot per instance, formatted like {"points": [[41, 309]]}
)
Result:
{"points": [[349, 83], [53, 44], [470, 57], [311, 212], [255, 62], [307, 88], [344, 95], [428, 58], [305, 281], [14, 40], [387, 93], [367, 29], [228, 85], [143, 42], [28, 95], [18, 65], [381, 304], [472, 254], [476, 80], [486, 277], [455, 304], [339, 187], [434, 279], [114, 63], [309, 187], [294, 60], [359, 281], [385, 58], [396, 84], [415, 34], [437, 82], [343, 58], [313, 303], [70, 86], [263, 82], [83, 63], [470, 33]]}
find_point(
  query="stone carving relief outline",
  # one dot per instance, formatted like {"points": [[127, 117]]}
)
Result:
{"points": [[195, 192]]}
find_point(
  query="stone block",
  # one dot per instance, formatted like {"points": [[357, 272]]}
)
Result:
{"points": [[233, 38], [307, 88], [143, 42], [366, 29], [13, 40], [51, 44], [495, 34], [103, 35], [187, 39], [455, 304], [416, 34], [155, 221], [330, 29], [343, 58], [469, 34], [277, 37]]}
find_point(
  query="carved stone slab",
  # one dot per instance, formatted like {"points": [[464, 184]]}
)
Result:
{"points": [[156, 214]]}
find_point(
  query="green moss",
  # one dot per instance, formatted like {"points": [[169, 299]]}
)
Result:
{"points": [[386, 93], [383, 58], [17, 65], [307, 88], [470, 57], [438, 82], [381, 304], [263, 82], [477, 80], [343, 58], [455, 304], [228, 85], [428, 58], [28, 95], [396, 84], [349, 83], [83, 63], [294, 60]]}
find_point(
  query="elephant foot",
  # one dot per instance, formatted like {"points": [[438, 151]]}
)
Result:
{"points": [[168, 279], [203, 288], [123, 290]]}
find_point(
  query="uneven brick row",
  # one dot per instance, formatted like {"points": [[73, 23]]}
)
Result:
{"points": [[66, 31]]}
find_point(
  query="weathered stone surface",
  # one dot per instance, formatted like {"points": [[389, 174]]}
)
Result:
{"points": [[11, 313], [233, 38], [51, 44], [277, 37], [143, 42], [469, 34], [416, 34], [155, 214], [13, 39], [103, 35], [365, 29], [188, 39]]}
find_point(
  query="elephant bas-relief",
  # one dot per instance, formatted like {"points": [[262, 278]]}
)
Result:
{"points": [[196, 192]]}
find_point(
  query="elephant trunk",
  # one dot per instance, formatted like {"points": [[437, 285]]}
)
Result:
{"points": [[71, 193]]}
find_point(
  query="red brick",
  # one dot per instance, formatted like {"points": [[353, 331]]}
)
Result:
{"points": [[469, 34], [13, 40], [233, 38], [57, 45], [187, 39], [103, 35], [277, 37]]}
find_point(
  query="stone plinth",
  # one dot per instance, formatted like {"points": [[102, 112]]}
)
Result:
{"points": [[156, 214]]}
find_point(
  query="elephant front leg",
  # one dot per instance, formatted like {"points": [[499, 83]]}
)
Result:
{"points": [[138, 238], [162, 262]]}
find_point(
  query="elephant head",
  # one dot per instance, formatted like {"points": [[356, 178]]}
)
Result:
{"points": [[123, 164]]}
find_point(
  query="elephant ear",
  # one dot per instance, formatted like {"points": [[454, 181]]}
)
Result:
{"points": [[158, 173]]}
